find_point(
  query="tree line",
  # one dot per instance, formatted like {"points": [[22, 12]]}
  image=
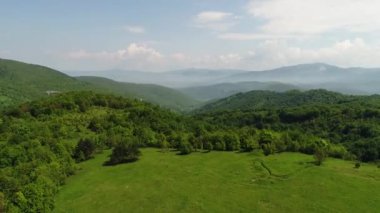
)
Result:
{"points": [[42, 142]]}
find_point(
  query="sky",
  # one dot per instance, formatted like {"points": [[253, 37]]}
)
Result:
{"points": [[162, 35]]}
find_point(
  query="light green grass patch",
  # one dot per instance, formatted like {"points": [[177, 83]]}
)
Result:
{"points": [[221, 182]]}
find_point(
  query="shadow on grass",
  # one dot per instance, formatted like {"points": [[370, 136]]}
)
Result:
{"points": [[110, 163]]}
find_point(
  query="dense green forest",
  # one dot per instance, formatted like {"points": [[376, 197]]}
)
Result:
{"points": [[39, 140], [42, 140], [261, 99], [352, 121]]}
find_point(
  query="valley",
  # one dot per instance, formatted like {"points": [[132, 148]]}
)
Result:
{"points": [[96, 144], [213, 106]]}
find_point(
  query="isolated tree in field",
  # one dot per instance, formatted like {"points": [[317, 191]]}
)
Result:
{"points": [[185, 148], [268, 149], [163, 142], [357, 165], [125, 152], [84, 150], [319, 156]]}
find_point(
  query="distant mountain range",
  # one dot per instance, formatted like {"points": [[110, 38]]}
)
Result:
{"points": [[304, 76], [182, 90], [207, 93], [174, 79]]}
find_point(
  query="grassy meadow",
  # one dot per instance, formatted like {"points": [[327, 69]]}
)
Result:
{"points": [[221, 182]]}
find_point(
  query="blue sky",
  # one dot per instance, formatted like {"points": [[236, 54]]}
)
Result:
{"points": [[175, 34]]}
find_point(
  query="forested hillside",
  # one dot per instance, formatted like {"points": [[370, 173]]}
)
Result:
{"points": [[353, 121], [270, 99], [40, 141], [20, 82]]}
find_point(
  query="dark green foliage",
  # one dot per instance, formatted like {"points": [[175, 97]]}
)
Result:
{"points": [[357, 165], [37, 152], [351, 121], [268, 149], [232, 142], [2, 202], [163, 142], [185, 148], [319, 156], [36, 149], [267, 99], [84, 150], [207, 145], [125, 152]]}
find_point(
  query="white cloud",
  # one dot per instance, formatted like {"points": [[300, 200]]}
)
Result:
{"points": [[215, 20], [267, 54], [135, 56], [346, 53], [250, 36], [132, 51], [135, 29], [212, 16], [141, 51], [316, 16]]}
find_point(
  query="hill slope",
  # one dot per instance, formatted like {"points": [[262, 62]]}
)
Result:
{"points": [[269, 99], [223, 90], [152, 93], [21, 82]]}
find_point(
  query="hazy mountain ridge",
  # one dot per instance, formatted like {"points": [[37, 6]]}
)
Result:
{"points": [[354, 80], [175, 79], [223, 90], [160, 95]]}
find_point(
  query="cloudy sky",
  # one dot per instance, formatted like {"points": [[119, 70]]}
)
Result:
{"points": [[164, 35]]}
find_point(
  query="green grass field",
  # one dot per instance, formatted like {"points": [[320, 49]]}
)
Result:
{"points": [[221, 182]]}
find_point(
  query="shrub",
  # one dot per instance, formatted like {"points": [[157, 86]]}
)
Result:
{"points": [[268, 149], [357, 165], [319, 156], [185, 148], [248, 144], [84, 150], [208, 146], [124, 152]]}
